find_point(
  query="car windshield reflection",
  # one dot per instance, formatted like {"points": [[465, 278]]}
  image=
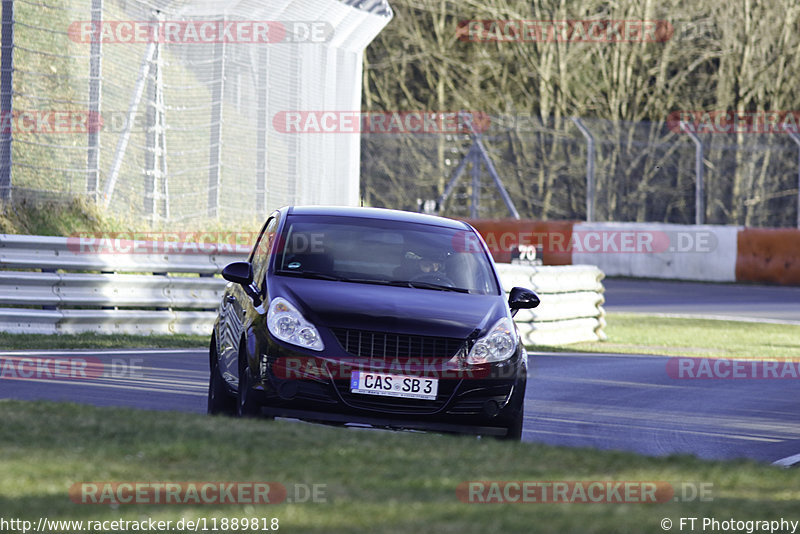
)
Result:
{"points": [[383, 252]]}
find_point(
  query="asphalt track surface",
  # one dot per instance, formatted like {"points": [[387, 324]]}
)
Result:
{"points": [[724, 301], [624, 402]]}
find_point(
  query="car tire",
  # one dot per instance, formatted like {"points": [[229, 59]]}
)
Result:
{"points": [[220, 401], [247, 404]]}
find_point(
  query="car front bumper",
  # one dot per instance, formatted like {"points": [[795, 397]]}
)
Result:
{"points": [[484, 400]]}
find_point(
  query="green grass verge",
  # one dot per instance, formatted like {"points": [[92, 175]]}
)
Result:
{"points": [[374, 481], [670, 336], [61, 217], [74, 216], [96, 341]]}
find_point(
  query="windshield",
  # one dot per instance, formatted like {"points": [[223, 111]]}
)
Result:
{"points": [[362, 250]]}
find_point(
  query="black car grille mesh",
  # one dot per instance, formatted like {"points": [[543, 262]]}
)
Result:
{"points": [[364, 343]]}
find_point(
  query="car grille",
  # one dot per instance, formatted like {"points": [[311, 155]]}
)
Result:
{"points": [[366, 344]]}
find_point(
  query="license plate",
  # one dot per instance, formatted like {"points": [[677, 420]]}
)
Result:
{"points": [[408, 387]]}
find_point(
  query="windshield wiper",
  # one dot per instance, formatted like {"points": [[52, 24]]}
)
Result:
{"points": [[427, 285], [325, 276], [312, 274]]}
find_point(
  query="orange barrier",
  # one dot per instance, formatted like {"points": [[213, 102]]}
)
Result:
{"points": [[504, 235], [768, 255]]}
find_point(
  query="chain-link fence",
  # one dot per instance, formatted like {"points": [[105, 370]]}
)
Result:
{"points": [[173, 110], [165, 110], [642, 172]]}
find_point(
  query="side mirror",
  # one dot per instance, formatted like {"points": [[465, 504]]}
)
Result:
{"points": [[241, 272], [238, 272], [520, 298]]}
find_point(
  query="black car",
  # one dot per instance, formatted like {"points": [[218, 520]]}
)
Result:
{"points": [[370, 316]]}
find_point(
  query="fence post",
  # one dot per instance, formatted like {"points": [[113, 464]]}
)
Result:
{"points": [[215, 139], [262, 86], [161, 138], [122, 143], [474, 209], [156, 194], [95, 87], [6, 93], [454, 180], [796, 138], [482, 152], [699, 190], [589, 168], [477, 153], [151, 142]]}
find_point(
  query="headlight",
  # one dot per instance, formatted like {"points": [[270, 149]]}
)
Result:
{"points": [[287, 324], [498, 345]]}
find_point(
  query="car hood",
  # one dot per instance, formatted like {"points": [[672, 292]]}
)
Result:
{"points": [[381, 308]]}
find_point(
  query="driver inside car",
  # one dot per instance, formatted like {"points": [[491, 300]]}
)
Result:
{"points": [[428, 265], [415, 265]]}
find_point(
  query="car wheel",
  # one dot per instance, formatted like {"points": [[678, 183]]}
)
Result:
{"points": [[219, 400], [247, 404]]}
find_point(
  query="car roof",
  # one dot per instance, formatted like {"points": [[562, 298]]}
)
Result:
{"points": [[377, 213]]}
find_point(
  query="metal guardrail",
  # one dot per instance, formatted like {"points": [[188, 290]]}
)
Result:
{"points": [[75, 254], [147, 299], [42, 296]]}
